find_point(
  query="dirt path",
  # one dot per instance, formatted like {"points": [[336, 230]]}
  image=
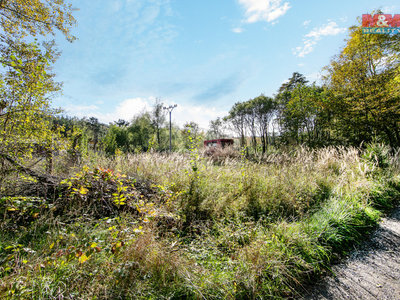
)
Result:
{"points": [[371, 272]]}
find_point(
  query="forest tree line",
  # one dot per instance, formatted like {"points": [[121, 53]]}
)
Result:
{"points": [[357, 101]]}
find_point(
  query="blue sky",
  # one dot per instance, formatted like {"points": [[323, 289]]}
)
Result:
{"points": [[202, 55]]}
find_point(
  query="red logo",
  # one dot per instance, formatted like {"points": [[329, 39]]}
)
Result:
{"points": [[381, 20]]}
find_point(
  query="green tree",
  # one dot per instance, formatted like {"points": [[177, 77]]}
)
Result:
{"points": [[293, 82], [116, 138], [249, 111], [140, 132], [95, 128], [216, 129], [73, 134], [158, 120], [26, 81], [289, 127], [26, 85], [192, 135], [237, 121], [121, 123], [306, 110], [364, 80], [264, 109]]}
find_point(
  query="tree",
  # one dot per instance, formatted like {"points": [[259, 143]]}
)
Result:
{"points": [[25, 86], [236, 118], [140, 132], [117, 138], [95, 128], [364, 80], [191, 133], [26, 81], [264, 110], [216, 129], [121, 123], [289, 127], [250, 121], [293, 82], [20, 18], [75, 135], [306, 110], [158, 119]]}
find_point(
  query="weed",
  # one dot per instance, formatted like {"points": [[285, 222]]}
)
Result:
{"points": [[190, 227]]}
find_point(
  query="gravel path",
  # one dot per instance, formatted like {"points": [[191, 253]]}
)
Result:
{"points": [[371, 272]]}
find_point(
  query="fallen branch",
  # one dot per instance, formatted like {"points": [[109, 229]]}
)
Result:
{"points": [[41, 177]]}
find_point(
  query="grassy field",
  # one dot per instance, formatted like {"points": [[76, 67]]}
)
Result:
{"points": [[158, 226]]}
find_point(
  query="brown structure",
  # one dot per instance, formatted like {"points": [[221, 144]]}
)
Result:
{"points": [[221, 143]]}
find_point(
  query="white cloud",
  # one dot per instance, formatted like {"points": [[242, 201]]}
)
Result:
{"points": [[307, 48], [129, 108], [237, 30], [315, 35], [126, 110], [390, 9], [329, 29], [197, 113], [264, 10], [306, 23]]}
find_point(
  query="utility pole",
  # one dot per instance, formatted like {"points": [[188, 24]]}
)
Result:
{"points": [[170, 108]]}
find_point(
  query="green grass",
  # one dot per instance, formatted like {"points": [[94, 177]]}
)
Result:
{"points": [[233, 229]]}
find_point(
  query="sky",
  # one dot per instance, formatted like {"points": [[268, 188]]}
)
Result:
{"points": [[202, 55]]}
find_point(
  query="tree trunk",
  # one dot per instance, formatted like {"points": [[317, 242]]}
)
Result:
{"points": [[49, 162]]}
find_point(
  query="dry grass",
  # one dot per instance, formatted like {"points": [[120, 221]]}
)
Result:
{"points": [[225, 228]]}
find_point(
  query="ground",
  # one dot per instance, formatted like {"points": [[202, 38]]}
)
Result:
{"points": [[370, 272]]}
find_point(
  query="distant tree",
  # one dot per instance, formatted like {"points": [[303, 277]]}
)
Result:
{"points": [[306, 111], [121, 123], [95, 127], [237, 121], [216, 129], [117, 138], [158, 119], [289, 127], [192, 130], [72, 131], [250, 121], [140, 132], [264, 109], [293, 82]]}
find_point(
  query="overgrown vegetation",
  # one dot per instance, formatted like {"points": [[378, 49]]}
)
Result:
{"points": [[95, 211], [180, 226]]}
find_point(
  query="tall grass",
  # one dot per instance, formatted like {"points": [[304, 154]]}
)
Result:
{"points": [[223, 228], [289, 186]]}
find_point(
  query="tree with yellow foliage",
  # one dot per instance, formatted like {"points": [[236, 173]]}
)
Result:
{"points": [[20, 18], [26, 81], [364, 79]]}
